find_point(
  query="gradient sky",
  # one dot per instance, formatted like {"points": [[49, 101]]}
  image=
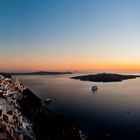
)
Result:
{"points": [[69, 35]]}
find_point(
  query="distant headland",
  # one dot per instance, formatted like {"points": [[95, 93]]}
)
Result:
{"points": [[38, 73], [105, 77]]}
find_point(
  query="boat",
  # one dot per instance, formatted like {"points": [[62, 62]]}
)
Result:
{"points": [[94, 88], [47, 100]]}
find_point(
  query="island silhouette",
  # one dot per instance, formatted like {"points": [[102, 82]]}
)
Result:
{"points": [[105, 77]]}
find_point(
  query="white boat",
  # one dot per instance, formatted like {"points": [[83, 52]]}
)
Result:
{"points": [[47, 100], [94, 88]]}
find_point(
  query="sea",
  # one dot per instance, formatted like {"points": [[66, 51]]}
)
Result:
{"points": [[111, 112]]}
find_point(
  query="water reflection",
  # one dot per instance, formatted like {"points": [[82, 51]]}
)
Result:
{"points": [[112, 111]]}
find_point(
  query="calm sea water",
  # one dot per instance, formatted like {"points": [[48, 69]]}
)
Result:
{"points": [[111, 112]]}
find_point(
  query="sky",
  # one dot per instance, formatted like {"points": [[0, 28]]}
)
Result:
{"points": [[64, 35]]}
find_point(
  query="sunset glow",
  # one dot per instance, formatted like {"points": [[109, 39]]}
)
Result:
{"points": [[70, 35]]}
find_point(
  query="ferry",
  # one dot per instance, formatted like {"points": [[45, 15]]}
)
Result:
{"points": [[47, 100], [94, 88]]}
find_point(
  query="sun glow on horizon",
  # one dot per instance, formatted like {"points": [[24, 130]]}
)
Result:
{"points": [[94, 67], [68, 35]]}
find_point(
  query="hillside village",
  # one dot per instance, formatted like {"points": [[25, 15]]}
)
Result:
{"points": [[12, 120], [23, 117]]}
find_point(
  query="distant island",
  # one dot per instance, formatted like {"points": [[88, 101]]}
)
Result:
{"points": [[37, 73], [105, 77]]}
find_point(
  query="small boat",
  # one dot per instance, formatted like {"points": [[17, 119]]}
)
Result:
{"points": [[47, 100], [94, 88]]}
